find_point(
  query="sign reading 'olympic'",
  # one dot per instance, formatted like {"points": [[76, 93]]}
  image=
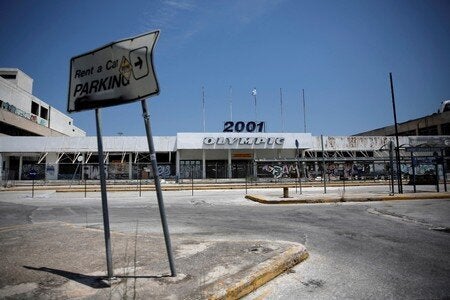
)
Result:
{"points": [[243, 141]]}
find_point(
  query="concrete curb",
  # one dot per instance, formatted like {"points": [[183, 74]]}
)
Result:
{"points": [[351, 198], [263, 273]]}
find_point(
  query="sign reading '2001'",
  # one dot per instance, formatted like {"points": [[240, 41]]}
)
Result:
{"points": [[240, 126]]}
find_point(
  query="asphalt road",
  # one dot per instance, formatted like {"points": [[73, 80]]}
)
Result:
{"points": [[397, 249]]}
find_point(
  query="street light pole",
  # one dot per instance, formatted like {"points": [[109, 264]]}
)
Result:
{"points": [[397, 149]]}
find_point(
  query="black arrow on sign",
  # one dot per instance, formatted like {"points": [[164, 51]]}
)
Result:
{"points": [[138, 63]]}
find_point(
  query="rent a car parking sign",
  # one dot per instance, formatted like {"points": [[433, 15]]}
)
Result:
{"points": [[114, 74]]}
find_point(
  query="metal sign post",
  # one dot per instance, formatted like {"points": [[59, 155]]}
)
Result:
{"points": [[32, 174], [299, 175], [323, 169], [158, 186], [104, 195], [413, 168], [117, 73]]}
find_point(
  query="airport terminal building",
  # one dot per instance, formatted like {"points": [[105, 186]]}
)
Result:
{"points": [[39, 142], [220, 156]]}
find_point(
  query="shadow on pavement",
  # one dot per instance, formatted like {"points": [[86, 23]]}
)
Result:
{"points": [[95, 282]]}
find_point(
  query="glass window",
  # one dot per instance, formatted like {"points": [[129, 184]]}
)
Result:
{"points": [[34, 108], [44, 113]]}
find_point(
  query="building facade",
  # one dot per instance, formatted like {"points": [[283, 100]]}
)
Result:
{"points": [[219, 156], [434, 124], [23, 114], [39, 142]]}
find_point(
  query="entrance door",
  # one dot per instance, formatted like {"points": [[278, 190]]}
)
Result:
{"points": [[241, 168], [13, 172], [216, 169]]}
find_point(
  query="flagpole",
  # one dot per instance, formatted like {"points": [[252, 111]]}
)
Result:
{"points": [[256, 111], [304, 111], [203, 102], [281, 105], [231, 103]]}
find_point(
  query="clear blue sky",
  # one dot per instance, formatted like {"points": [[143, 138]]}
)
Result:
{"points": [[340, 52]]}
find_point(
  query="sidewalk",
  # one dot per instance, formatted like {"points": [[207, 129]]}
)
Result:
{"points": [[148, 185], [350, 194], [59, 261]]}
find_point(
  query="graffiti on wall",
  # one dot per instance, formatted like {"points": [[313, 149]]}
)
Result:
{"points": [[280, 170], [336, 170], [347, 170], [164, 171], [93, 172], [11, 108], [121, 171], [118, 170]]}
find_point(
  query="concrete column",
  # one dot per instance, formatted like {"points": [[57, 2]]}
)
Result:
{"points": [[1, 167], [255, 168], [203, 164], [229, 164], [20, 167], [303, 168], [130, 165], [7, 160], [177, 164], [316, 163]]}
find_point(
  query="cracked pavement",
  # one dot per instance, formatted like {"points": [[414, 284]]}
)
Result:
{"points": [[357, 250]]}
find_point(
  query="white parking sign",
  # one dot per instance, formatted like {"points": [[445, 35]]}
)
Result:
{"points": [[114, 74]]}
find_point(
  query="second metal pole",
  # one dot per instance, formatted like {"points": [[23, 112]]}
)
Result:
{"points": [[104, 196], [158, 187], [397, 149]]}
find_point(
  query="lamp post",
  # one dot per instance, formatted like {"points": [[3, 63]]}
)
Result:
{"points": [[397, 149]]}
